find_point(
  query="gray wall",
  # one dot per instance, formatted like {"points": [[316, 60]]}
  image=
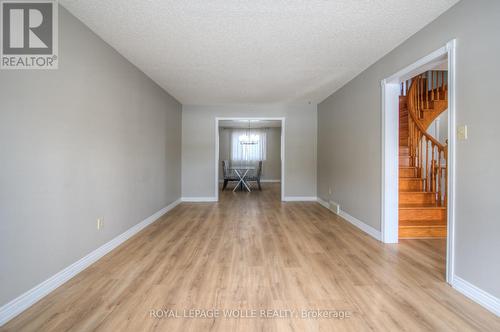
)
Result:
{"points": [[271, 167], [443, 127], [95, 138], [198, 145], [439, 127], [349, 136]]}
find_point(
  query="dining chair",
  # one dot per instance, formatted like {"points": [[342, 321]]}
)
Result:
{"points": [[228, 175], [256, 175]]}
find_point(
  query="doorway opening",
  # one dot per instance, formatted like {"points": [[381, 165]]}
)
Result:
{"points": [[418, 157], [249, 156]]}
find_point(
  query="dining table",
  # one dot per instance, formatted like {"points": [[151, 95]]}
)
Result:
{"points": [[242, 172]]}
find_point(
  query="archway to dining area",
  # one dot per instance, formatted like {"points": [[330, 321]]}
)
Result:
{"points": [[250, 156]]}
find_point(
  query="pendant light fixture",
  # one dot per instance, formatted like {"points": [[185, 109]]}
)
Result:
{"points": [[249, 139]]}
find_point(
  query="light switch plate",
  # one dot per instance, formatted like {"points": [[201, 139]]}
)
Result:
{"points": [[462, 132]]}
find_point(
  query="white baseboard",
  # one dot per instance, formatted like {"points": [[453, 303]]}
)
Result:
{"points": [[476, 294], [324, 203], [356, 222], [361, 225], [199, 199], [300, 199], [26, 300]]}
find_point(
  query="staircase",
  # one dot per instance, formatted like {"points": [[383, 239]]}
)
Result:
{"points": [[422, 159]]}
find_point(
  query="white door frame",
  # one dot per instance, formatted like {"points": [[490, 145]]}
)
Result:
{"points": [[282, 119], [390, 143]]}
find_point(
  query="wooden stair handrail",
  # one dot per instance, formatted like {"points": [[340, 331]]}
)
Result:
{"points": [[411, 111], [427, 161]]}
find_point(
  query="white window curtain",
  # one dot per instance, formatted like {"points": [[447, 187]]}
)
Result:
{"points": [[254, 149]]}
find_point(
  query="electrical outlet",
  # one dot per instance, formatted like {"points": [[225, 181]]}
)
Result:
{"points": [[99, 223]]}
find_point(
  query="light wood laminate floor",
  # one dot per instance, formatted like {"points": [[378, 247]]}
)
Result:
{"points": [[251, 251]]}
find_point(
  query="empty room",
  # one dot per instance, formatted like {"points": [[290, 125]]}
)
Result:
{"points": [[249, 165]]}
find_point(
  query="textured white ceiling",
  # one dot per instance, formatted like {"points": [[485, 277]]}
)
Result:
{"points": [[259, 51]]}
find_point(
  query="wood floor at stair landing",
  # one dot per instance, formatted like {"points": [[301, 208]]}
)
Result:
{"points": [[251, 251]]}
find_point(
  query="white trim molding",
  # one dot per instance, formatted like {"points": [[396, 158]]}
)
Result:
{"points": [[476, 294], [389, 176], [199, 199], [451, 47], [390, 160], [283, 131], [323, 203], [300, 199], [354, 221], [361, 225], [26, 300]]}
